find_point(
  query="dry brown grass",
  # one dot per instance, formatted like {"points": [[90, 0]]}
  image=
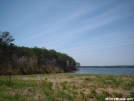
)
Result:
{"points": [[67, 87]]}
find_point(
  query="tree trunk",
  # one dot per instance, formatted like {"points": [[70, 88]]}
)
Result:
{"points": [[10, 79]]}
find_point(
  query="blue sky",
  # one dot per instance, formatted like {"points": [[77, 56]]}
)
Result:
{"points": [[93, 32]]}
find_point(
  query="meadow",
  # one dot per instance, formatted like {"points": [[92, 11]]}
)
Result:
{"points": [[66, 87]]}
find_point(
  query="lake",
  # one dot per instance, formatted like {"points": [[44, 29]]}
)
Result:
{"points": [[104, 71]]}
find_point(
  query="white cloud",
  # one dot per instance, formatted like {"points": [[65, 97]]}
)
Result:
{"points": [[74, 27]]}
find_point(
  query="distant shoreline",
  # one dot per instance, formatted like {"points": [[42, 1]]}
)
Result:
{"points": [[106, 66]]}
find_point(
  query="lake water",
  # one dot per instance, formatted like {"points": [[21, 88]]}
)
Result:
{"points": [[105, 71]]}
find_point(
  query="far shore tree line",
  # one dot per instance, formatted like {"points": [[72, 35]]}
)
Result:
{"points": [[24, 60]]}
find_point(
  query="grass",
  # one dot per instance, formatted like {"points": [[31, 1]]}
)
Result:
{"points": [[66, 87]]}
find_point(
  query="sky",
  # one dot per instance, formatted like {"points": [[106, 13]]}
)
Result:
{"points": [[93, 32]]}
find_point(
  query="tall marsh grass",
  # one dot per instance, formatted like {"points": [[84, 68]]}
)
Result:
{"points": [[65, 87]]}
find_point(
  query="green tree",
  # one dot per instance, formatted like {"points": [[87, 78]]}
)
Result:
{"points": [[6, 51], [5, 41], [30, 60]]}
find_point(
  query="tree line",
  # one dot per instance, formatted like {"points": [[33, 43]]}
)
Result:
{"points": [[24, 60]]}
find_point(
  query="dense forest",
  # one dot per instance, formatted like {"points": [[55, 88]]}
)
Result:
{"points": [[24, 60]]}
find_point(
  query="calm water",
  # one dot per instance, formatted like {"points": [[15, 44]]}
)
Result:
{"points": [[105, 71]]}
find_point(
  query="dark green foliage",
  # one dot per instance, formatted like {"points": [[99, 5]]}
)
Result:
{"points": [[128, 85], [118, 94], [16, 97], [132, 94], [88, 79], [62, 95], [25, 60], [5, 46], [100, 98], [64, 85], [93, 92]]}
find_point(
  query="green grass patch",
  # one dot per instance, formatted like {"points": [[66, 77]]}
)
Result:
{"points": [[65, 87]]}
